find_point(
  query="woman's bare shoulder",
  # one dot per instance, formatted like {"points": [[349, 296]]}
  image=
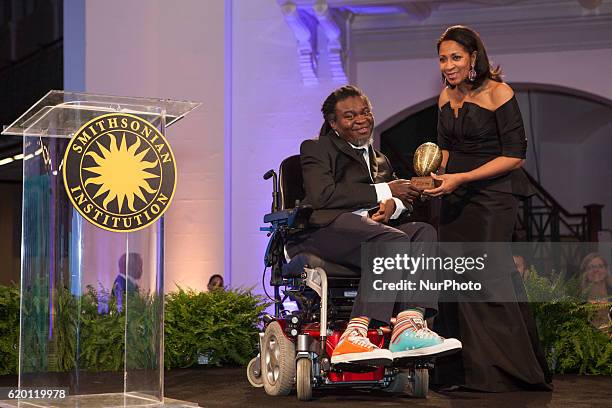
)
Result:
{"points": [[443, 98], [500, 94]]}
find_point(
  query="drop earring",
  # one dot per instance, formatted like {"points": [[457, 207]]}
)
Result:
{"points": [[471, 74]]}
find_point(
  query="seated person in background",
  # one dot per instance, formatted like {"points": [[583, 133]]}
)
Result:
{"points": [[521, 266], [127, 282], [215, 282], [344, 177], [594, 277]]}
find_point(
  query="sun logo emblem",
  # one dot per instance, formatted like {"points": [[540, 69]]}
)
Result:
{"points": [[119, 172]]}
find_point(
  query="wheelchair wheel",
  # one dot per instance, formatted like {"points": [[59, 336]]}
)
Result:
{"points": [[255, 379], [420, 382], [277, 361], [303, 379]]}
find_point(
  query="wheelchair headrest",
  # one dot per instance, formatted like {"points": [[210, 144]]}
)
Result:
{"points": [[291, 181]]}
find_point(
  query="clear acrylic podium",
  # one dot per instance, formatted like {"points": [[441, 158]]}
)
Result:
{"points": [[104, 347]]}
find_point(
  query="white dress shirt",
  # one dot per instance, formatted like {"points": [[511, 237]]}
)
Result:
{"points": [[383, 191]]}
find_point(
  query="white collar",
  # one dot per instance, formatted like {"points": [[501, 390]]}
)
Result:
{"points": [[364, 147]]}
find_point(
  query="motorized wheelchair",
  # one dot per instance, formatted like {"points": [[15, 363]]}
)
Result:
{"points": [[296, 346]]}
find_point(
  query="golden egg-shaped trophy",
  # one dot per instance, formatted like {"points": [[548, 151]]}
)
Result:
{"points": [[427, 159]]}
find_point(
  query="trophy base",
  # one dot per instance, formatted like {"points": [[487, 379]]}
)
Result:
{"points": [[425, 182]]}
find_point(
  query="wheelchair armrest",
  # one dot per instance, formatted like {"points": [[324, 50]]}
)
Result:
{"points": [[281, 216], [293, 218]]}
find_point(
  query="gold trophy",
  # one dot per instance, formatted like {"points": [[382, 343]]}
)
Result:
{"points": [[427, 159]]}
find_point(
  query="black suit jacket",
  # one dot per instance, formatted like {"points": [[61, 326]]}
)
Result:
{"points": [[336, 178]]}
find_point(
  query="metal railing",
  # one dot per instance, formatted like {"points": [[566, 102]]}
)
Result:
{"points": [[541, 218]]}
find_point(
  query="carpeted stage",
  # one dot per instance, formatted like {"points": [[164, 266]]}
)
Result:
{"points": [[228, 387]]}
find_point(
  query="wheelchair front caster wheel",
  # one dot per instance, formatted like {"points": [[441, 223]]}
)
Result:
{"points": [[399, 383], [277, 361], [420, 382], [253, 375], [303, 379]]}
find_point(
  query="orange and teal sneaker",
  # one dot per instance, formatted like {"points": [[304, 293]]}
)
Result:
{"points": [[414, 339], [357, 348]]}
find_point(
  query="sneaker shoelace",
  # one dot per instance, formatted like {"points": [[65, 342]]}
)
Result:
{"points": [[425, 333], [422, 331], [356, 337]]}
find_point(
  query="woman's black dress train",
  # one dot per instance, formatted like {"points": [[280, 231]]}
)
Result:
{"points": [[501, 351]]}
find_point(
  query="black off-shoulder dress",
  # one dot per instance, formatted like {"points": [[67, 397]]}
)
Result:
{"points": [[501, 351]]}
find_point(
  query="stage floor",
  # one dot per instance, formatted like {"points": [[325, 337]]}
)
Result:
{"points": [[228, 387]]}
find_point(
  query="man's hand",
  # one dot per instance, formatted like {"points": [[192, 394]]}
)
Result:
{"points": [[385, 211], [404, 190]]}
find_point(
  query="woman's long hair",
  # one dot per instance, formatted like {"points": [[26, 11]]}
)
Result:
{"points": [[470, 40]]}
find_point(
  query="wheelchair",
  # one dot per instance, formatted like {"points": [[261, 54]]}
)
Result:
{"points": [[295, 347]]}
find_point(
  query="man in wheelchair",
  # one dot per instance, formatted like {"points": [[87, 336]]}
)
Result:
{"points": [[356, 198], [337, 194]]}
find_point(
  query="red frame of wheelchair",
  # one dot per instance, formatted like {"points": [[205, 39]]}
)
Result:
{"points": [[375, 337]]}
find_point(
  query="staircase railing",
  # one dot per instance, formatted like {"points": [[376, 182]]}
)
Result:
{"points": [[542, 218]]}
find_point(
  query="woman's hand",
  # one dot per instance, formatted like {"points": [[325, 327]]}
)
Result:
{"points": [[450, 182]]}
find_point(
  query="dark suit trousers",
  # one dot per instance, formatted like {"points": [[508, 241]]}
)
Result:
{"points": [[340, 243]]}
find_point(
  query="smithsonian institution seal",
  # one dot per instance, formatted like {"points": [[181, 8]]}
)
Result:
{"points": [[119, 172]]}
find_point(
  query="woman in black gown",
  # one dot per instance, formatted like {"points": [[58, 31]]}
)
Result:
{"points": [[481, 134]]}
